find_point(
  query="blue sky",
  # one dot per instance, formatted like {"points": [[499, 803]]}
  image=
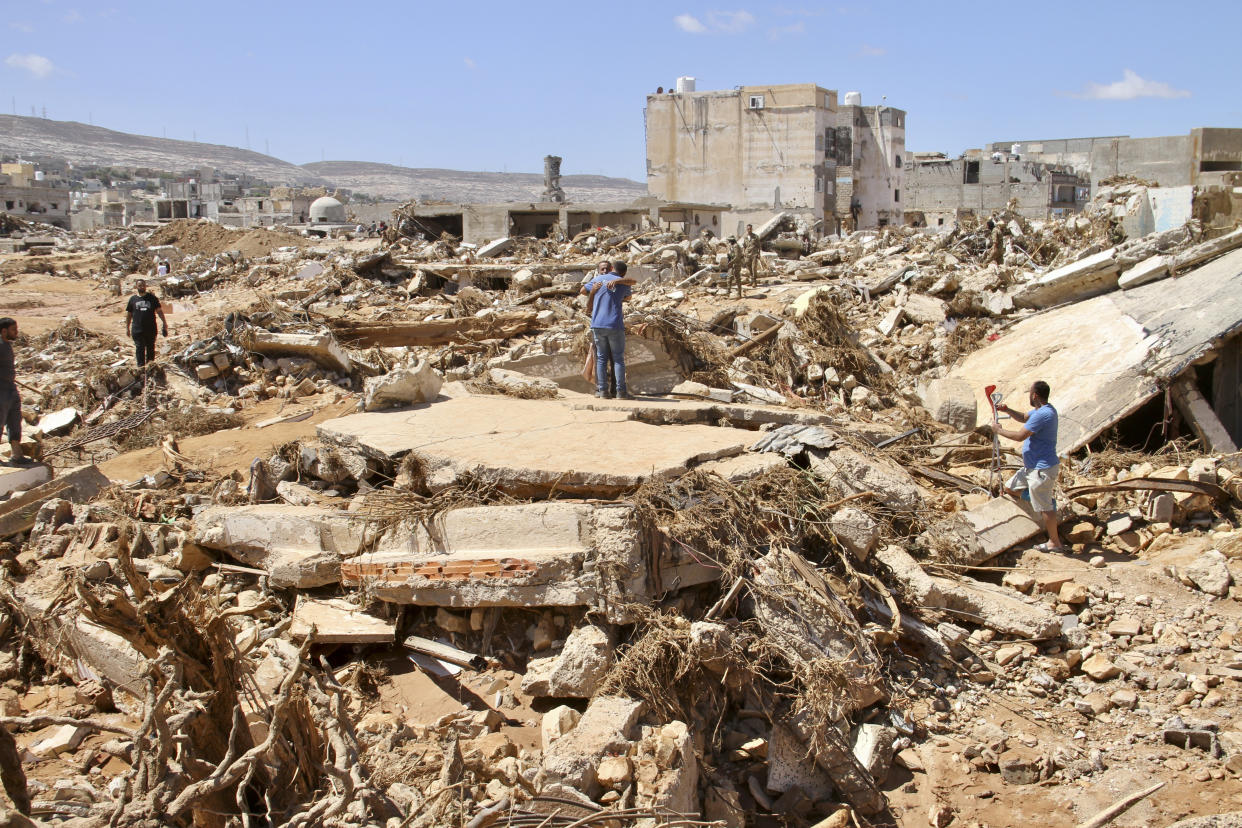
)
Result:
{"points": [[496, 86]]}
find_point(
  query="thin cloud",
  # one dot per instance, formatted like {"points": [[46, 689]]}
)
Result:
{"points": [[730, 22], [470, 64], [1130, 87], [36, 65], [73, 16], [716, 22], [24, 28], [786, 31], [867, 51], [689, 23]]}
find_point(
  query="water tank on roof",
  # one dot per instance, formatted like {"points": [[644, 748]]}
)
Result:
{"points": [[853, 99], [684, 85]]}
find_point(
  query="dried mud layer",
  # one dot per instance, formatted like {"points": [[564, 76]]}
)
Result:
{"points": [[348, 554]]}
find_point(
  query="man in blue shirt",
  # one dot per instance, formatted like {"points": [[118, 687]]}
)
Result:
{"points": [[1040, 463], [608, 291]]}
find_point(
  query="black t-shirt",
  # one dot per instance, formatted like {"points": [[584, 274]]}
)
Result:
{"points": [[143, 308], [8, 371]]}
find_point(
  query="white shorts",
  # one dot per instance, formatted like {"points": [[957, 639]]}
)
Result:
{"points": [[1039, 483]]}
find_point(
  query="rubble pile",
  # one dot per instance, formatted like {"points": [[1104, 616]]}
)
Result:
{"points": [[361, 548]]}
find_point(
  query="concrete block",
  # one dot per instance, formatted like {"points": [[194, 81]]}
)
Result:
{"points": [[498, 247], [57, 422], [299, 546], [849, 471], [997, 607], [856, 531], [607, 727], [873, 748], [206, 371], [402, 387], [789, 768], [952, 402], [925, 310], [61, 740], [576, 671]]}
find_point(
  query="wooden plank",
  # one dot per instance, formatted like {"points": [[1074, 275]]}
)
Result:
{"points": [[1202, 418], [397, 333]]}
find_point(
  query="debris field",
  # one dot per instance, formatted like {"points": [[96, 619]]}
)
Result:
{"points": [[363, 548]]}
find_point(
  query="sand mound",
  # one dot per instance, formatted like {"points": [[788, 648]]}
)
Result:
{"points": [[198, 236]]}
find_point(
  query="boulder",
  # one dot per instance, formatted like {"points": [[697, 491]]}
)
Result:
{"points": [[402, 387]]}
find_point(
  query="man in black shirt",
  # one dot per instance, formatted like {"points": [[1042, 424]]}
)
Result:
{"points": [[140, 316], [10, 400]]}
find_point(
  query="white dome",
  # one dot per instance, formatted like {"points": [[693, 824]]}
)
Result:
{"points": [[327, 210]]}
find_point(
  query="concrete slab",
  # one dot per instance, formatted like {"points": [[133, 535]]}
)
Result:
{"points": [[1078, 280], [649, 369], [1001, 523], [14, 478], [671, 411], [1106, 356], [338, 621], [529, 447], [745, 466], [555, 553], [299, 546], [81, 484]]}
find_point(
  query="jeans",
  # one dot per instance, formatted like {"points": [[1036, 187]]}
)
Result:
{"points": [[609, 347], [144, 347]]}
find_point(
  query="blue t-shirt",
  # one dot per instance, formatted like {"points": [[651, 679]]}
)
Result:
{"points": [[606, 312], [1039, 451]]}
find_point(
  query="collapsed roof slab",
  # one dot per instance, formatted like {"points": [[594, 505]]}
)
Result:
{"points": [[1105, 357], [546, 554], [530, 447]]}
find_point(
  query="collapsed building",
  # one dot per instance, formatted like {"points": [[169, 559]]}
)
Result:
{"points": [[362, 548]]}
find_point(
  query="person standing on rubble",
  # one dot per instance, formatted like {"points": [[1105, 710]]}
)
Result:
{"points": [[608, 292], [750, 254], [1040, 463], [140, 315], [733, 265], [10, 399]]}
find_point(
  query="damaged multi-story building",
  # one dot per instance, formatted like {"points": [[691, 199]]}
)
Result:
{"points": [[1190, 174], [27, 193], [942, 190], [760, 150]]}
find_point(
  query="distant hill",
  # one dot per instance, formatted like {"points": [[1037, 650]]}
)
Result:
{"points": [[86, 144], [389, 181]]}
